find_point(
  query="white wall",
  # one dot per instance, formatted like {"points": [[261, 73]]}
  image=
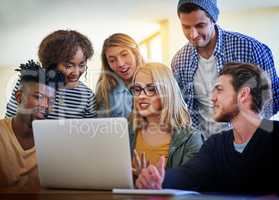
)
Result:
{"points": [[7, 82]]}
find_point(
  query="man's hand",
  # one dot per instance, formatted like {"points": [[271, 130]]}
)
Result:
{"points": [[152, 177]]}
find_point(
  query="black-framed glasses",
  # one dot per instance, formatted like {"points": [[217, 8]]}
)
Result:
{"points": [[149, 90]]}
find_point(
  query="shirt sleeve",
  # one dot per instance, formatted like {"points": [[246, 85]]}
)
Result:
{"points": [[11, 106], [174, 66], [90, 111]]}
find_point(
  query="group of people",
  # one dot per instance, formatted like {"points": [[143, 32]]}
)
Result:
{"points": [[201, 126]]}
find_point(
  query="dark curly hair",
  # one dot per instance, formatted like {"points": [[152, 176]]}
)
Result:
{"points": [[33, 72], [61, 46]]}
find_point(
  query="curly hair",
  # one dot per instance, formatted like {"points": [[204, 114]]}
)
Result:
{"points": [[61, 46], [33, 72]]}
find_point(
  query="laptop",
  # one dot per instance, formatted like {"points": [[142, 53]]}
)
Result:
{"points": [[83, 153]]}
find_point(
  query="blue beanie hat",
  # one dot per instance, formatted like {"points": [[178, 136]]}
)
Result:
{"points": [[210, 6]]}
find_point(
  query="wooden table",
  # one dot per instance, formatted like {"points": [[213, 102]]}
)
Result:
{"points": [[108, 195]]}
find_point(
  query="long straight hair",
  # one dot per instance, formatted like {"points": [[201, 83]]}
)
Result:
{"points": [[174, 111], [107, 80]]}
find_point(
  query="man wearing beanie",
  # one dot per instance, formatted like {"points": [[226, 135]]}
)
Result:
{"points": [[197, 64]]}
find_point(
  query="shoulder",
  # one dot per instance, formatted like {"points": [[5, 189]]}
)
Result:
{"points": [[82, 89], [183, 51], [1, 126], [188, 135], [182, 54], [221, 138], [269, 126], [245, 41], [120, 88], [5, 124]]}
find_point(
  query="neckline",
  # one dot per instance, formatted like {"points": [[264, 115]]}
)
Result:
{"points": [[16, 142]]}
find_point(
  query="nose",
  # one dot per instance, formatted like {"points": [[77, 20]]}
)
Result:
{"points": [[44, 103], [193, 33], [213, 96], [120, 62], [75, 70], [142, 94]]}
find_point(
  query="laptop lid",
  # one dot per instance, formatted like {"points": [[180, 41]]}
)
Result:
{"points": [[83, 153]]}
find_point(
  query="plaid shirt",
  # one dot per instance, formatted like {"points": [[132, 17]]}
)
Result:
{"points": [[230, 47]]}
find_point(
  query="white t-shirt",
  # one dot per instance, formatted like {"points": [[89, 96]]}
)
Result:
{"points": [[204, 81]]}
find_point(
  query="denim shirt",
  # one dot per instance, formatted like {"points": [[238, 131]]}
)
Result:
{"points": [[120, 100]]}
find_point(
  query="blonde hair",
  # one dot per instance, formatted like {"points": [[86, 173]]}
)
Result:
{"points": [[174, 109], [107, 80]]}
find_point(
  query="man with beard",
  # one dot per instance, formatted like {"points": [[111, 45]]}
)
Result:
{"points": [[197, 64], [241, 160], [18, 164]]}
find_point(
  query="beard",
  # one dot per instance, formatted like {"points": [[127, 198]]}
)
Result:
{"points": [[227, 115]]}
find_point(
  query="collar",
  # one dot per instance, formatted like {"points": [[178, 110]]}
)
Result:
{"points": [[218, 51], [120, 87], [179, 136]]}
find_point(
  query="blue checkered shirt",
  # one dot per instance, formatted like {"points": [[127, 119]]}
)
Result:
{"points": [[230, 47]]}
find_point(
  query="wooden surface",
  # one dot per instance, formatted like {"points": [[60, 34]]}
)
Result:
{"points": [[108, 195]]}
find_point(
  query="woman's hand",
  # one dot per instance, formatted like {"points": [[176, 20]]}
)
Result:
{"points": [[152, 177], [139, 163]]}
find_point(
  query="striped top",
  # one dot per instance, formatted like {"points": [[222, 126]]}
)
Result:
{"points": [[78, 102]]}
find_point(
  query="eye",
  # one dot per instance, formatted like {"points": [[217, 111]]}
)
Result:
{"points": [[111, 60], [219, 89], [82, 65], [186, 27], [124, 54], [151, 88], [137, 88], [68, 66], [38, 96], [201, 25]]}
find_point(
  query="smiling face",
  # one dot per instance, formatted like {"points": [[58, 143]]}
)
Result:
{"points": [[224, 100], [148, 102], [197, 27], [34, 100], [73, 69], [122, 61]]}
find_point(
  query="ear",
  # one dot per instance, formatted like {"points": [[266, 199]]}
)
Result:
{"points": [[244, 94], [18, 96]]}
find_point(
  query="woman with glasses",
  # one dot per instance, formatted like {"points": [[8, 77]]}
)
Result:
{"points": [[120, 59], [161, 124], [68, 52]]}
